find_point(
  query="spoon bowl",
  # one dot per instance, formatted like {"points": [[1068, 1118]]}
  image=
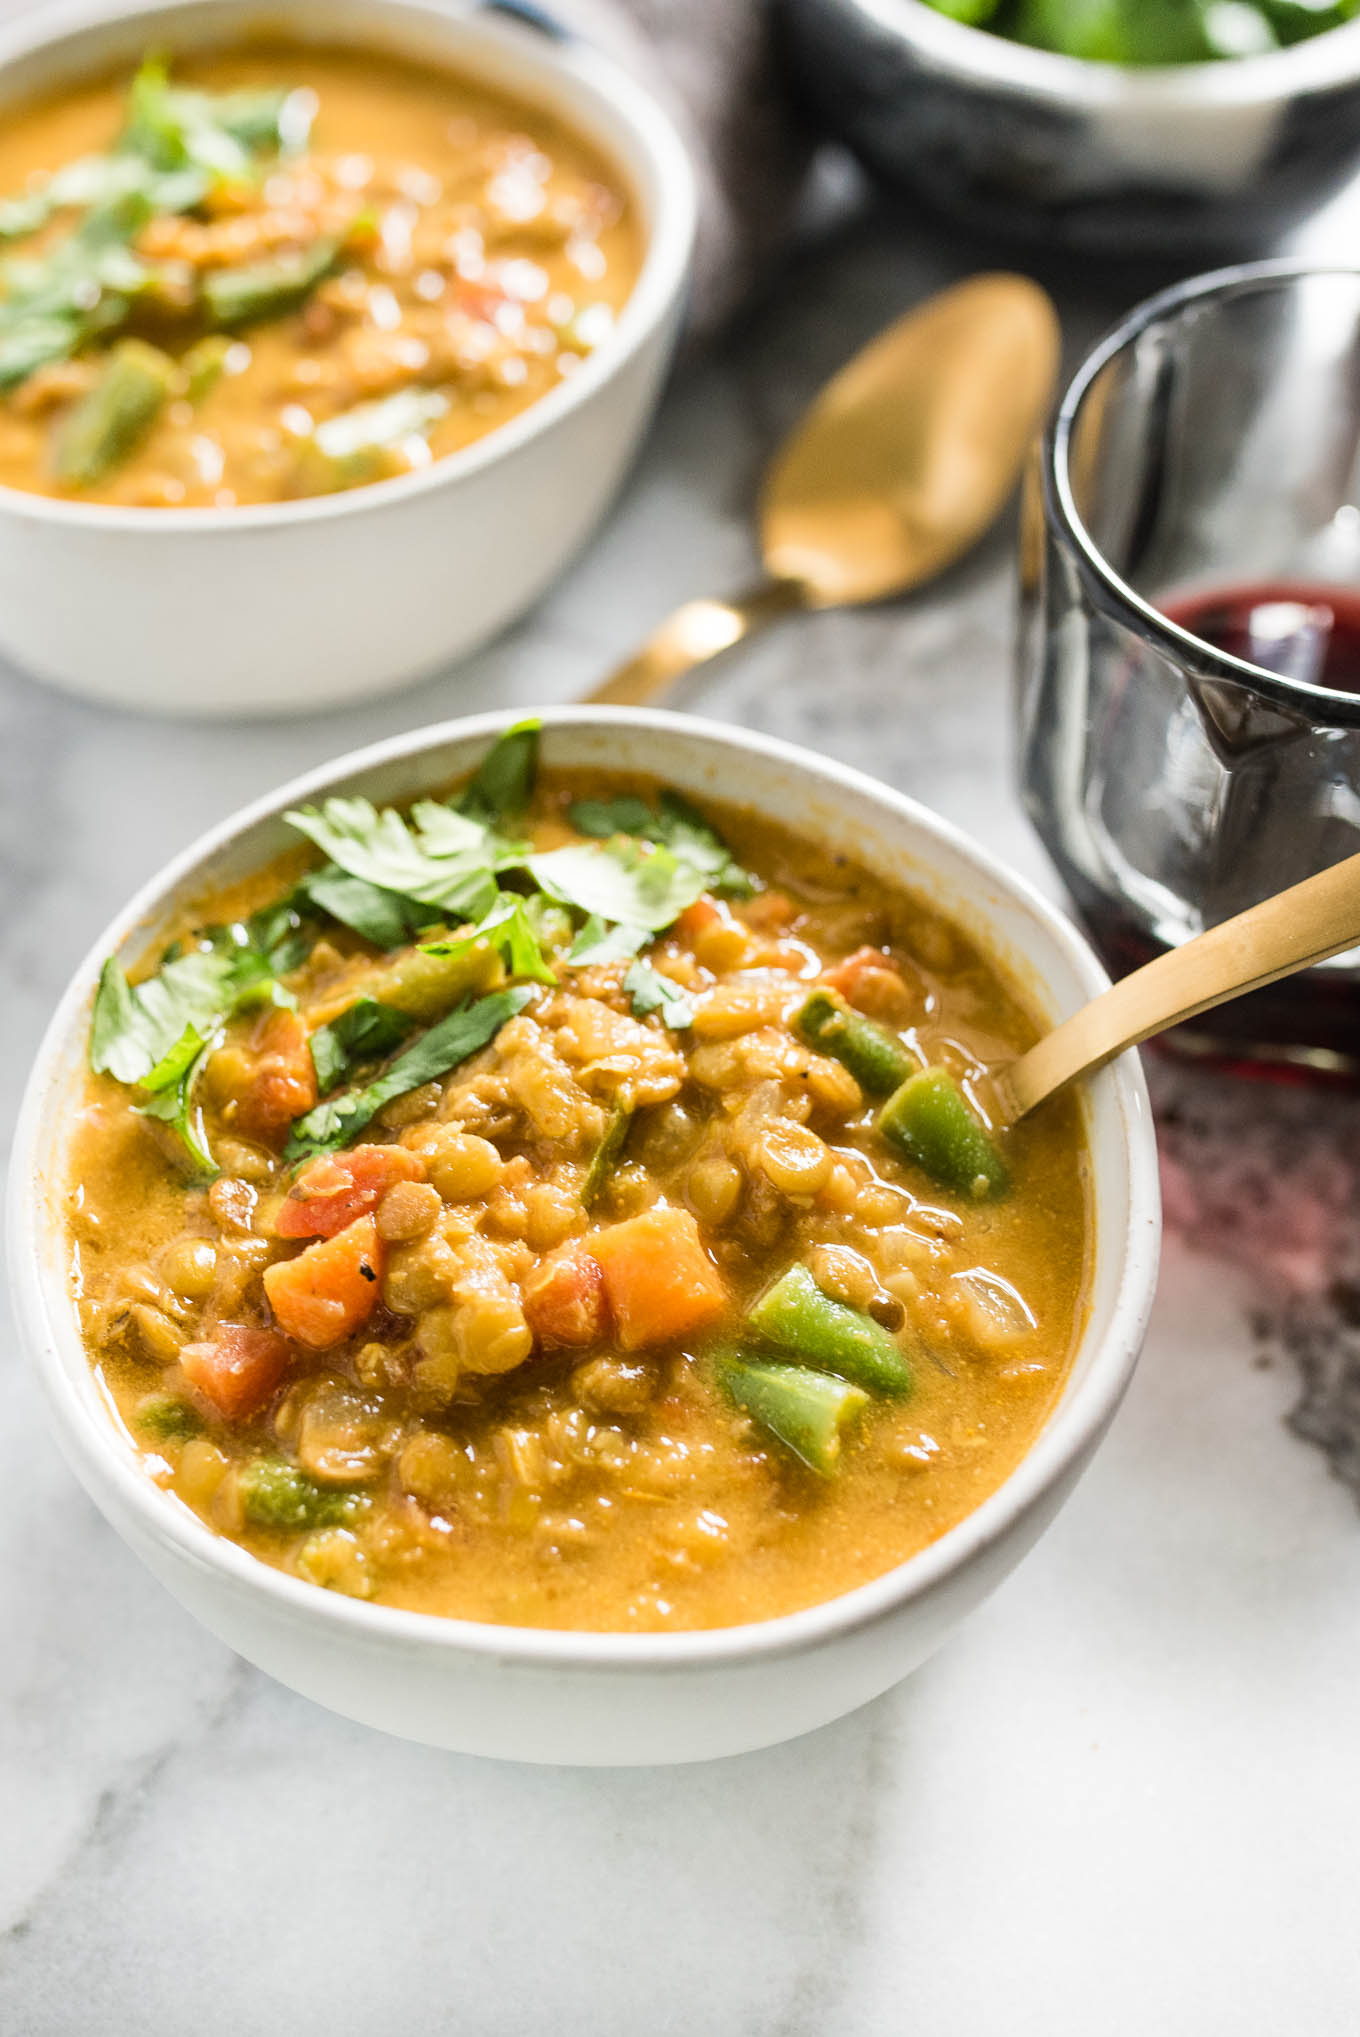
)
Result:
{"points": [[909, 454], [902, 462]]}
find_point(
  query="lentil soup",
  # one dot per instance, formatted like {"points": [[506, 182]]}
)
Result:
{"points": [[553, 1205], [284, 271]]}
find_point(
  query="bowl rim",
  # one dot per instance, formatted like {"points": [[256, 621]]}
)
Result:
{"points": [[91, 1438], [1108, 589], [591, 76], [1003, 65]]}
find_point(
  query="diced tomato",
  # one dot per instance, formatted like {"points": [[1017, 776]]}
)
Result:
{"points": [[330, 1290], [868, 980], [659, 1281], [705, 912], [282, 1084], [564, 1300], [237, 1370], [338, 1187]]}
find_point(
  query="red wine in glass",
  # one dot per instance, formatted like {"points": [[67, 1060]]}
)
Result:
{"points": [[1308, 632], [1303, 631]]}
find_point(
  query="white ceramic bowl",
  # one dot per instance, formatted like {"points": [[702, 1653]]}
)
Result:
{"points": [[607, 1698], [286, 607], [1169, 160]]}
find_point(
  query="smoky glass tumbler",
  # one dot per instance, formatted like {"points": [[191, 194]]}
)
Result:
{"points": [[1211, 440]]}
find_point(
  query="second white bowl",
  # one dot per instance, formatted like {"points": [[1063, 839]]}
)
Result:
{"points": [[288, 607]]}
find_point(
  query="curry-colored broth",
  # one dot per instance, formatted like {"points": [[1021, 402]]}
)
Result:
{"points": [[497, 248], [675, 1512]]}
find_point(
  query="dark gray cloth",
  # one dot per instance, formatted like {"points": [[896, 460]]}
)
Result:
{"points": [[711, 63]]}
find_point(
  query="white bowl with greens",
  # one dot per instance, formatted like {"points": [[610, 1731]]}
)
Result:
{"points": [[545, 1694], [275, 607]]}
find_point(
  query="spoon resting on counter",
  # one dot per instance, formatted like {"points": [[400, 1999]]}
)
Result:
{"points": [[904, 460]]}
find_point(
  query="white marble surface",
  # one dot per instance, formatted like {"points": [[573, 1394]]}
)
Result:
{"points": [[1124, 1801]]}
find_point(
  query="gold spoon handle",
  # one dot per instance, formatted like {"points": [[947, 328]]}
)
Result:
{"points": [[1284, 934], [693, 634]]}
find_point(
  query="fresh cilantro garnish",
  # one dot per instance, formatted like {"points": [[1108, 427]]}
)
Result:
{"points": [[675, 824], [619, 880], [626, 815], [156, 1035], [443, 1047], [368, 1031], [135, 1027], [507, 928], [438, 858], [83, 287], [283, 934], [598, 942], [383, 917], [651, 991], [216, 134], [169, 1090], [552, 924], [503, 784]]}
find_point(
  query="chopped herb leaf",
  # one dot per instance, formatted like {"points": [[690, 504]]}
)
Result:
{"points": [[651, 991], [170, 1098], [503, 783], [627, 815], [135, 1029], [552, 923], [430, 862], [84, 286], [281, 934], [619, 880], [383, 917], [597, 942], [679, 826], [685, 830], [157, 1034], [171, 1069], [507, 929], [368, 1031], [443, 1047]]}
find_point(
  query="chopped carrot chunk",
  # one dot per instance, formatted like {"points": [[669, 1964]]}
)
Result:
{"points": [[705, 912], [237, 1369], [868, 980], [330, 1290], [658, 1279], [564, 1299], [338, 1187], [282, 1085]]}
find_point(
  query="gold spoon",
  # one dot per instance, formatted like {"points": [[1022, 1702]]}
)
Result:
{"points": [[1284, 934], [904, 460]]}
